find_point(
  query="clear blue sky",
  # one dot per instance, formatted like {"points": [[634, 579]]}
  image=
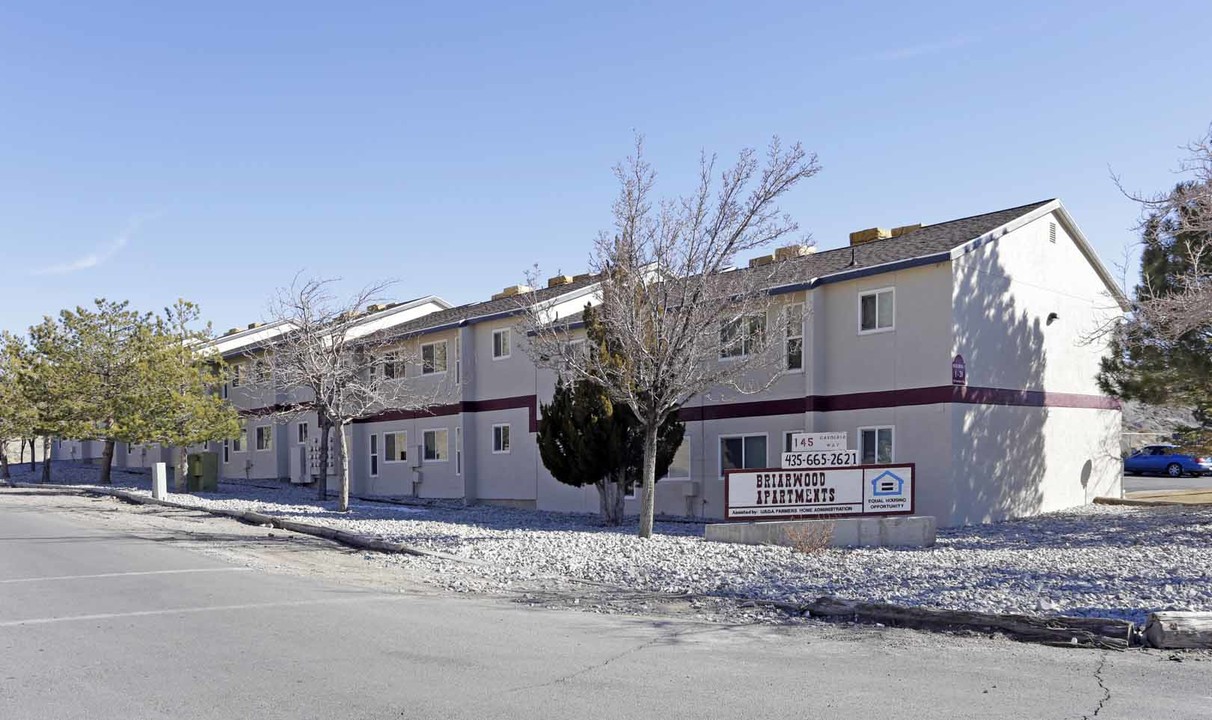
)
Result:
{"points": [[212, 150]]}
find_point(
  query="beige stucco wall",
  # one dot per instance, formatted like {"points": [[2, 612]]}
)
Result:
{"points": [[1014, 461]]}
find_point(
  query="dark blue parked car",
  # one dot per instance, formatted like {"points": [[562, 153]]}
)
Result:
{"points": [[1166, 460]]}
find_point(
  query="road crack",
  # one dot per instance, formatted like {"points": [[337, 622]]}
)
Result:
{"points": [[669, 637], [1098, 677]]}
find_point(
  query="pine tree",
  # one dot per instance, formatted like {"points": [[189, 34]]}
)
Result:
{"points": [[178, 406], [1147, 363], [18, 416], [586, 439]]}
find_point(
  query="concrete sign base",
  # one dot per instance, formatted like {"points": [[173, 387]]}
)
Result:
{"points": [[907, 531]]}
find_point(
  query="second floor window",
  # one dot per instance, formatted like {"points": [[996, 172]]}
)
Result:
{"points": [[795, 336], [877, 311], [261, 371], [433, 358], [393, 367], [741, 337], [500, 343]]}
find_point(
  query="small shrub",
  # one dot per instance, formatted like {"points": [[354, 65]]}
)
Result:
{"points": [[809, 538]]}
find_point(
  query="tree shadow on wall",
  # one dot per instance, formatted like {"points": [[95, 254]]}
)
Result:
{"points": [[998, 446]]}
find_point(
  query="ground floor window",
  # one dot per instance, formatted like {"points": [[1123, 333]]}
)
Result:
{"points": [[500, 439], [435, 445], [875, 445], [742, 451], [226, 451], [302, 433], [679, 469], [395, 445], [238, 444], [374, 455]]}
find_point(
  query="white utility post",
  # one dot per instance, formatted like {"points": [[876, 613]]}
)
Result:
{"points": [[160, 481]]}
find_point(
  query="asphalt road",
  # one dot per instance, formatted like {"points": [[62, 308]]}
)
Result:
{"points": [[1153, 483], [101, 622]]}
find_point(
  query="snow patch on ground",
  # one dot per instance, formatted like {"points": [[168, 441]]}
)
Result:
{"points": [[1106, 561]]}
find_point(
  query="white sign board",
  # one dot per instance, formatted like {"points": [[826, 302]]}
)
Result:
{"points": [[808, 460], [816, 442], [779, 494]]}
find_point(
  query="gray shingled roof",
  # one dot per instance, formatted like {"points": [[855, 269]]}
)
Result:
{"points": [[503, 306], [926, 241]]}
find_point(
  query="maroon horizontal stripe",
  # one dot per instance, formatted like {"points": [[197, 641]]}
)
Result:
{"points": [[908, 397], [529, 402], [757, 408]]}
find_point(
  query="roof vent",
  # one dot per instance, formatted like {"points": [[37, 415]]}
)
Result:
{"points": [[582, 276], [377, 307], [905, 229], [862, 236], [559, 280], [512, 291], [231, 331], [254, 326]]}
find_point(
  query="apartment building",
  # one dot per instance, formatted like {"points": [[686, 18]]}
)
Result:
{"points": [[969, 347]]}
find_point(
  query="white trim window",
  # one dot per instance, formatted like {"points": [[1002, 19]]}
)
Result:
{"points": [[740, 337], [679, 469], [262, 372], [500, 344], [742, 451], [226, 451], [301, 433], [459, 450], [876, 444], [395, 446], [877, 311], [393, 366], [794, 339], [458, 361], [435, 444], [237, 370], [500, 439], [374, 455], [433, 358], [238, 444], [265, 437]]}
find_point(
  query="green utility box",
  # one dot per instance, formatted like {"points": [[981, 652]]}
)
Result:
{"points": [[202, 472]]}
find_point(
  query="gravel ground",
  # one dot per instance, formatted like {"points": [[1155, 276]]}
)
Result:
{"points": [[1105, 561]]}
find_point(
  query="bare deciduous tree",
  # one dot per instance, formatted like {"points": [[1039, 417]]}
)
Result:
{"points": [[327, 349], [678, 318], [1184, 213]]}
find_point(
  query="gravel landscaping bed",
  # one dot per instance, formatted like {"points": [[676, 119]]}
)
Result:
{"points": [[1104, 561]]}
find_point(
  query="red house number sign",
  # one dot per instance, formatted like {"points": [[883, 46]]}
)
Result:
{"points": [[959, 371]]}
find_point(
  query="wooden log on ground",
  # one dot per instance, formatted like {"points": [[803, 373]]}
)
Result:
{"points": [[1072, 631], [1175, 630]]}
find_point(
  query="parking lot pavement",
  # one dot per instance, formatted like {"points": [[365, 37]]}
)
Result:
{"points": [[1159, 483]]}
